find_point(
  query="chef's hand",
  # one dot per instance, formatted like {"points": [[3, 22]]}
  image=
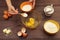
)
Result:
{"points": [[12, 10], [33, 2]]}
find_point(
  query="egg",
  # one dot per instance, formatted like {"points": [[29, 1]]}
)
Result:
{"points": [[19, 33], [28, 24], [6, 12], [32, 20], [4, 30], [9, 15], [25, 34], [23, 30], [8, 31], [5, 16]]}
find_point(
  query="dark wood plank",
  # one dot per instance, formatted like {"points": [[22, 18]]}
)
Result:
{"points": [[15, 22]]}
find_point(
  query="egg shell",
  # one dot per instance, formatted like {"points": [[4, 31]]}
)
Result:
{"points": [[23, 30], [19, 33], [25, 34]]}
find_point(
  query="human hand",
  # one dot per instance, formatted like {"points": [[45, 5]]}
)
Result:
{"points": [[12, 10], [33, 2]]}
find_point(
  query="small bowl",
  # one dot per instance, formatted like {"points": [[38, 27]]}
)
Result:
{"points": [[36, 16], [54, 22], [24, 4]]}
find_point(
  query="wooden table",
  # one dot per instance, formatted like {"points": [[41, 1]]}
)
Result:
{"points": [[15, 22]]}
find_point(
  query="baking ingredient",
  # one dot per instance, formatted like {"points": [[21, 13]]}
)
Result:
{"points": [[25, 34], [49, 10], [6, 31], [19, 33], [27, 7], [24, 14], [6, 12], [30, 23], [23, 30], [9, 15], [50, 27], [5, 16]]}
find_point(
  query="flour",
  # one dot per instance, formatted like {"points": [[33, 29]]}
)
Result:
{"points": [[27, 8], [50, 27]]}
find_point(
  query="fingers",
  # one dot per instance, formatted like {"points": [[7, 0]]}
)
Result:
{"points": [[16, 11], [30, 0], [12, 8], [33, 2], [13, 13]]}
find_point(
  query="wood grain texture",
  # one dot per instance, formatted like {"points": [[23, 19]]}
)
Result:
{"points": [[15, 22]]}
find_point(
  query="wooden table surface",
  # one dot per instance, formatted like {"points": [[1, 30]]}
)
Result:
{"points": [[15, 22]]}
